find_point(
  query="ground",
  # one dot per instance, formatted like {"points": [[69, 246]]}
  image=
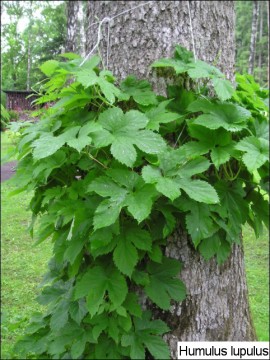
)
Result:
{"points": [[7, 170]]}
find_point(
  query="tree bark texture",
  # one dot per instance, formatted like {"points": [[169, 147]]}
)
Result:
{"points": [[254, 26], [217, 304], [140, 36], [72, 16], [81, 35], [268, 6], [260, 41]]}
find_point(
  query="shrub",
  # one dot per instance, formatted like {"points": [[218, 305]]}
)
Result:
{"points": [[5, 118], [13, 115], [114, 170]]}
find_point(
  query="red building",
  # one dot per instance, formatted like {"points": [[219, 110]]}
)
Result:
{"points": [[18, 100]]}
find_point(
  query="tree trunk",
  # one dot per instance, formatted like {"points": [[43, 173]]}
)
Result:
{"points": [[81, 35], [254, 26], [72, 13], [29, 45], [260, 42], [268, 6], [217, 304]]}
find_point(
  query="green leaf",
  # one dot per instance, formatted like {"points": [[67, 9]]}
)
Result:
{"points": [[108, 89], [220, 155], [168, 187], [140, 238], [215, 245], [126, 131], [77, 348], [49, 67], [193, 167], [140, 90], [91, 63], [256, 152], [160, 115], [157, 347], [199, 223], [132, 305], [156, 254], [229, 116], [151, 174], [201, 69], [178, 65], [209, 247], [75, 247], [59, 317], [46, 145], [223, 88], [94, 284], [223, 252], [79, 143], [125, 255], [163, 286], [105, 187], [136, 347], [87, 77], [150, 142], [140, 277], [124, 151], [70, 56], [100, 238], [117, 287], [111, 206], [234, 207], [165, 186], [124, 177], [78, 310], [140, 202], [199, 190]]}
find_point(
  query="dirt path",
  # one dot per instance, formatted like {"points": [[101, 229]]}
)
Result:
{"points": [[8, 170]]}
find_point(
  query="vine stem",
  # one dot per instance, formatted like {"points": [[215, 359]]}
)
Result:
{"points": [[96, 160]]}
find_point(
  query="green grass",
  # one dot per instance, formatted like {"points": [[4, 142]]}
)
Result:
{"points": [[7, 145], [257, 271], [22, 268]]}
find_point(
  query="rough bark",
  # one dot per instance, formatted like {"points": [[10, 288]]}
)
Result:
{"points": [[72, 12], [81, 35], [260, 41], [254, 26], [268, 6], [217, 304]]}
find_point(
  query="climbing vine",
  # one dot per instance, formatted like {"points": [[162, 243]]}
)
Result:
{"points": [[114, 169]]}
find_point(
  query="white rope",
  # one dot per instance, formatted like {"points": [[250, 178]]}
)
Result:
{"points": [[108, 45], [108, 20], [121, 13], [192, 34]]}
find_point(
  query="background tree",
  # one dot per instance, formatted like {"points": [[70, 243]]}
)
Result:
{"points": [[216, 307], [254, 27], [72, 25], [244, 11], [75, 27], [29, 44], [19, 54]]}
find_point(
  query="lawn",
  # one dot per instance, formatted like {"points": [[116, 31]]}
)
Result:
{"points": [[23, 265], [8, 141]]}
